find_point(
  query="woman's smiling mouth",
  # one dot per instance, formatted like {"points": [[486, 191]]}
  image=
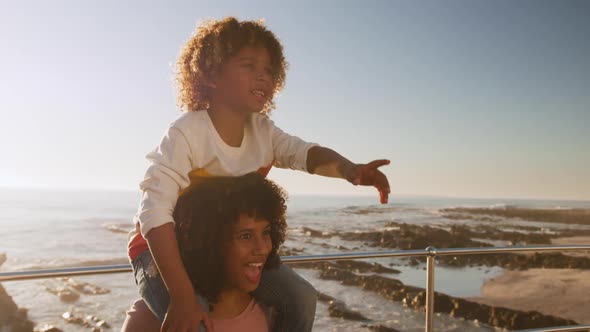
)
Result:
{"points": [[254, 272]]}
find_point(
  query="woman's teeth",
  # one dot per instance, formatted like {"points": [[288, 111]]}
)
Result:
{"points": [[256, 265]]}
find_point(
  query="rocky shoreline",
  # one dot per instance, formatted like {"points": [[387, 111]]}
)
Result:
{"points": [[415, 297], [484, 232], [407, 237], [561, 216], [15, 319]]}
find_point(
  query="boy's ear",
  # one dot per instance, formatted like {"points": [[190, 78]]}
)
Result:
{"points": [[211, 80], [210, 83]]}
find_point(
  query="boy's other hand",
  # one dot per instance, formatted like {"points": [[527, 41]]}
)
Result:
{"points": [[185, 315], [369, 175]]}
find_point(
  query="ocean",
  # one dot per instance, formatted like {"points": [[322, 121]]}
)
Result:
{"points": [[42, 228]]}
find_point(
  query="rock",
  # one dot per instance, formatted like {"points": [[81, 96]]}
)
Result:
{"points": [[65, 294], [49, 328], [469, 310], [7, 306], [362, 266], [340, 310], [13, 318], [68, 296], [72, 319], [380, 328], [92, 318], [325, 297], [103, 324], [351, 265], [314, 233], [90, 321], [86, 288], [442, 303], [419, 300]]}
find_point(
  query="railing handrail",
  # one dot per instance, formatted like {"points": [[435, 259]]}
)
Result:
{"points": [[118, 268], [578, 328], [429, 252]]}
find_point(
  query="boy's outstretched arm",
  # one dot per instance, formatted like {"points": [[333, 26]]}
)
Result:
{"points": [[327, 162]]}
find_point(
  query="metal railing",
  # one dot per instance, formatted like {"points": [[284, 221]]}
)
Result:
{"points": [[430, 253]]}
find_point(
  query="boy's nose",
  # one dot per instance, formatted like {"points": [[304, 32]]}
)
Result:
{"points": [[263, 76]]}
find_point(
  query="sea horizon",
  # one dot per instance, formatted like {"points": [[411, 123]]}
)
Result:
{"points": [[324, 194]]}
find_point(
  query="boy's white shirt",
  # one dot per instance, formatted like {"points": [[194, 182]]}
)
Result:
{"points": [[191, 142]]}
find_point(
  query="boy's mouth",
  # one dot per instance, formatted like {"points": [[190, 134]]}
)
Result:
{"points": [[259, 94]]}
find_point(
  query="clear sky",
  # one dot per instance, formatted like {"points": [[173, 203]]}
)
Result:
{"points": [[467, 98]]}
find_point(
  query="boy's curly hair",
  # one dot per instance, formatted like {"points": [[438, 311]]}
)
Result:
{"points": [[204, 214], [212, 44]]}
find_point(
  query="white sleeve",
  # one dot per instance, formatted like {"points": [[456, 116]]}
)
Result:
{"points": [[170, 163], [289, 151]]}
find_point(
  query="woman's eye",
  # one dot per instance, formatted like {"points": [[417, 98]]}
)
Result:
{"points": [[266, 232], [245, 236]]}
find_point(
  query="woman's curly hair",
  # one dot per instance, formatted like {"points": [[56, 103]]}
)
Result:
{"points": [[213, 43], [203, 217]]}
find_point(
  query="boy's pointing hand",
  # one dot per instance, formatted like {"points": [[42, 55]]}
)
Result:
{"points": [[369, 175]]}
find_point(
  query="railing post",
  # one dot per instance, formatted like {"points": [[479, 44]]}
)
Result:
{"points": [[430, 287]]}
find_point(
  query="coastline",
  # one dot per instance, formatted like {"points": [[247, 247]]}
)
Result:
{"points": [[558, 292], [573, 240]]}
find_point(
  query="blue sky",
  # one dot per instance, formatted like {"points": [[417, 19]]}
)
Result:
{"points": [[467, 98]]}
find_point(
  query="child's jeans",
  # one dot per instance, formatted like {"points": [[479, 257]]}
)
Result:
{"points": [[281, 288]]}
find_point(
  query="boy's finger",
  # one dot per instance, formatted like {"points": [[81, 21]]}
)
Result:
{"points": [[383, 186], [378, 163], [383, 195]]}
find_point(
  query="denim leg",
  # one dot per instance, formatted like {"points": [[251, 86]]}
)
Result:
{"points": [[293, 297], [152, 288]]}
